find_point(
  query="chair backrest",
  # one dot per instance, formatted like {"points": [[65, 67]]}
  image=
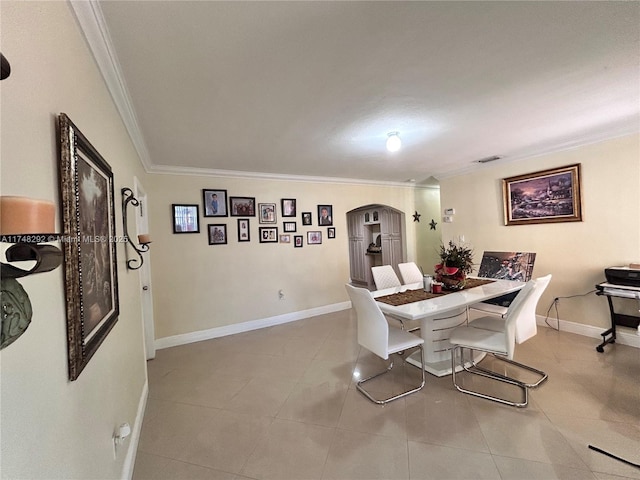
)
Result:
{"points": [[410, 273], [514, 314], [526, 325], [385, 277], [373, 328]]}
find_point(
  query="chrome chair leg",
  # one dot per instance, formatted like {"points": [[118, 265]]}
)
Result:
{"points": [[489, 374], [394, 397], [543, 375]]}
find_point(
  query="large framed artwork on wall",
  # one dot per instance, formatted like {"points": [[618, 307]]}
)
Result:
{"points": [[547, 196], [89, 245]]}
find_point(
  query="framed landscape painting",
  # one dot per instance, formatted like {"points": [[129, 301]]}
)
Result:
{"points": [[548, 196]]}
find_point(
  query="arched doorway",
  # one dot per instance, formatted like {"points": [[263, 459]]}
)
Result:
{"points": [[377, 236]]}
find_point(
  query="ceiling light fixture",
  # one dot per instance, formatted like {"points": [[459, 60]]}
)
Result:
{"points": [[393, 142]]}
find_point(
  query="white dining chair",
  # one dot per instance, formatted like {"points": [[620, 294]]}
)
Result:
{"points": [[526, 324], [375, 334], [497, 337], [385, 277], [410, 273]]}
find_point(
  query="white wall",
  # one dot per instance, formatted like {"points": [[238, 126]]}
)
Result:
{"points": [[50, 427], [575, 253], [199, 287]]}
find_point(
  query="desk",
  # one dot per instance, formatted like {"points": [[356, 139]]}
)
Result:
{"points": [[621, 291], [438, 316]]}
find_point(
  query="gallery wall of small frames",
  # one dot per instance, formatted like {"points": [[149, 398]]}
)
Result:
{"points": [[280, 222]]}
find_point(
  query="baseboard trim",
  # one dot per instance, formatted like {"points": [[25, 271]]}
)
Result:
{"points": [[130, 459], [624, 335], [185, 338]]}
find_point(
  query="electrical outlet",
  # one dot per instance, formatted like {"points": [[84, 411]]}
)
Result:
{"points": [[447, 219]]}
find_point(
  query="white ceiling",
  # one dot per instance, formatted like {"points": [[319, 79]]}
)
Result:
{"points": [[313, 88]]}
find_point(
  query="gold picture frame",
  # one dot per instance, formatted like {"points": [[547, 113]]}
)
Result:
{"points": [[547, 196]]}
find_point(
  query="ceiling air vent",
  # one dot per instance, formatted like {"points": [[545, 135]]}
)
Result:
{"points": [[489, 159]]}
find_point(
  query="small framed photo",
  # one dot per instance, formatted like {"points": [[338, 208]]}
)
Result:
{"points": [[244, 234], [215, 203], [217, 234], [268, 234], [285, 238], [306, 218], [331, 232], [185, 218], [297, 241], [548, 196], [267, 213], [242, 206], [325, 215], [314, 238], [288, 207], [289, 226]]}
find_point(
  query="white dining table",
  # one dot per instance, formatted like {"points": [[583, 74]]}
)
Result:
{"points": [[439, 315]]}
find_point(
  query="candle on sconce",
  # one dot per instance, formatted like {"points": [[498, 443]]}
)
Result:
{"points": [[144, 238], [24, 216]]}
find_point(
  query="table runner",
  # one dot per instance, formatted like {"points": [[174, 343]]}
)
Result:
{"points": [[411, 296]]}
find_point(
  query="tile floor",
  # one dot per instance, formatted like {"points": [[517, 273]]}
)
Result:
{"points": [[280, 403]]}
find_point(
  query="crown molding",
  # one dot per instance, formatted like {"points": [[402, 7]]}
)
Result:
{"points": [[210, 172], [93, 26]]}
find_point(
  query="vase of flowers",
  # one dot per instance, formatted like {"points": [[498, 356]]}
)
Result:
{"points": [[456, 261]]}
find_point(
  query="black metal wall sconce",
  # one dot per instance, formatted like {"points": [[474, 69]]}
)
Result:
{"points": [[23, 222], [144, 239]]}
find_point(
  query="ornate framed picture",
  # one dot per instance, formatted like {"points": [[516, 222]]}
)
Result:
{"points": [[215, 203], [297, 241], [267, 213], [90, 266], [547, 196], [306, 218], [289, 226], [242, 206], [244, 235], [314, 238], [288, 206], [268, 234], [186, 218], [217, 234], [325, 215]]}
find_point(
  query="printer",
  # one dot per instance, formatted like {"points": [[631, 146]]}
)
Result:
{"points": [[625, 276]]}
